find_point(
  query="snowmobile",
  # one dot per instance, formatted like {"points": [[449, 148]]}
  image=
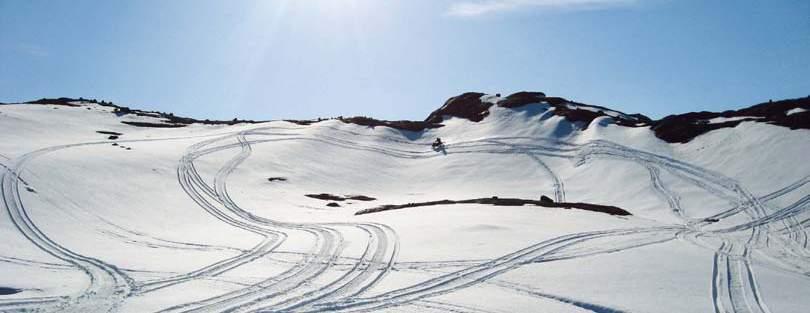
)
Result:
{"points": [[438, 144]]}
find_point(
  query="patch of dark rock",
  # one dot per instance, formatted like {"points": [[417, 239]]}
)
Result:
{"points": [[4, 291], [333, 204], [129, 148], [711, 220], [156, 125], [470, 106], [272, 179], [173, 119], [114, 143], [467, 105], [56, 101], [775, 112], [682, 128], [685, 127], [106, 132], [401, 125], [304, 122], [522, 98], [360, 198], [556, 100], [331, 197], [326, 197], [608, 209], [122, 110], [112, 137], [545, 199], [30, 189], [576, 112], [414, 126], [574, 115]]}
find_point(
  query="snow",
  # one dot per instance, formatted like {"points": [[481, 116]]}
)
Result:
{"points": [[187, 220], [610, 113], [721, 119], [795, 110]]}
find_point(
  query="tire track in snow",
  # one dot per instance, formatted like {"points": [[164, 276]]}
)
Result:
{"points": [[248, 297], [365, 273], [242, 142], [348, 288], [478, 274], [205, 197], [671, 198], [734, 284], [317, 264], [108, 285], [706, 186]]}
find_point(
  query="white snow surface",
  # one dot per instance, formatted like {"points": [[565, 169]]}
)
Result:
{"points": [[721, 119], [186, 219], [795, 110], [608, 112]]}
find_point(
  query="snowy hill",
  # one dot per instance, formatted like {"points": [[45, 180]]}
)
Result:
{"points": [[109, 209]]}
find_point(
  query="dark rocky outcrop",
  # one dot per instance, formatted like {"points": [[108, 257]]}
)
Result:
{"points": [[585, 113], [331, 197], [326, 197], [415, 126], [608, 209], [573, 111], [682, 128], [468, 106], [56, 101], [304, 122], [679, 128], [401, 125], [155, 125], [775, 112], [170, 119], [522, 98], [9, 291], [105, 132], [360, 198]]}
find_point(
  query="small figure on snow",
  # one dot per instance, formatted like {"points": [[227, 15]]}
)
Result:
{"points": [[438, 143]]}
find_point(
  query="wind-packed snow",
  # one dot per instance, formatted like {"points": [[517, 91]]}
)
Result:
{"points": [[187, 220], [599, 110], [732, 119], [794, 111]]}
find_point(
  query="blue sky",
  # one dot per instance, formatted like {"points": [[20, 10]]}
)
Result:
{"points": [[402, 59]]}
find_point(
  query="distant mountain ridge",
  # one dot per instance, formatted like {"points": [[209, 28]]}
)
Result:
{"points": [[475, 106]]}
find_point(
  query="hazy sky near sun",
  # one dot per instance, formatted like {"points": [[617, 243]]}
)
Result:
{"points": [[402, 59]]}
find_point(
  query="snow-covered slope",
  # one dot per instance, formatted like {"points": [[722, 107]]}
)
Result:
{"points": [[100, 216]]}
